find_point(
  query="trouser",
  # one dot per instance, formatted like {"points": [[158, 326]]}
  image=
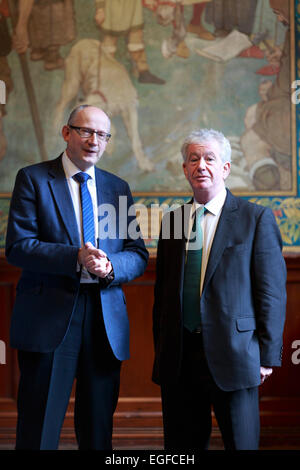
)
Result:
{"points": [[198, 9], [187, 406], [135, 45], [46, 383]]}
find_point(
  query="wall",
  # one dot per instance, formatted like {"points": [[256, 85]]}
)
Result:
{"points": [[138, 420]]}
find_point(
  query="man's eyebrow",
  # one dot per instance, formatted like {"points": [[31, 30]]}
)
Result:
{"points": [[210, 152], [205, 154], [91, 129]]}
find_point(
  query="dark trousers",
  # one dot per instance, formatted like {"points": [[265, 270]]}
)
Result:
{"points": [[187, 406], [46, 383]]}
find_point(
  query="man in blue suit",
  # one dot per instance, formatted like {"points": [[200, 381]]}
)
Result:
{"points": [[70, 235], [219, 307]]}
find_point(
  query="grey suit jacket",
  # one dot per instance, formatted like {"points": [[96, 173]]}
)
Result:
{"points": [[242, 306]]}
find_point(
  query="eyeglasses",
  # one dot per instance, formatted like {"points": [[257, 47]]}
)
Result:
{"points": [[86, 133]]}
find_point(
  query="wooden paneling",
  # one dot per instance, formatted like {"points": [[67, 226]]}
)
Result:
{"points": [[9, 371], [138, 418]]}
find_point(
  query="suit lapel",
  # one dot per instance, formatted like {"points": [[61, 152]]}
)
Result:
{"points": [[104, 196], [61, 194], [182, 243], [186, 208], [222, 235]]}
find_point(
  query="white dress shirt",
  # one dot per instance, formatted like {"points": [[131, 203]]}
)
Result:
{"points": [[70, 170], [209, 225]]}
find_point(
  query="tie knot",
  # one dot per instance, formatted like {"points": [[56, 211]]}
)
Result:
{"points": [[200, 212], [81, 177]]}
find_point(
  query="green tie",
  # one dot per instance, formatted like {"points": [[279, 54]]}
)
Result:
{"points": [[192, 275]]}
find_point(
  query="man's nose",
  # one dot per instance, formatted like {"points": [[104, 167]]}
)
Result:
{"points": [[93, 140], [201, 163]]}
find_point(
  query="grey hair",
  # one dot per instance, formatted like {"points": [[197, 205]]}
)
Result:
{"points": [[207, 135], [76, 110]]}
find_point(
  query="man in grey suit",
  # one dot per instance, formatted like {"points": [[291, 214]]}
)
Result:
{"points": [[219, 306]]}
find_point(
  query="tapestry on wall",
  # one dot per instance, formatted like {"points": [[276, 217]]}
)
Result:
{"points": [[160, 70]]}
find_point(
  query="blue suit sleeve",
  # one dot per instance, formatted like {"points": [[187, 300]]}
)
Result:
{"points": [[24, 245], [131, 262]]}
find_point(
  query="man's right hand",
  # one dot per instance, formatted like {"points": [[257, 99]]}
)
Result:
{"points": [[94, 260]]}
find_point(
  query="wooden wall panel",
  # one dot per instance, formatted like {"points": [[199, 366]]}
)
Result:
{"points": [[138, 418], [280, 395], [9, 374]]}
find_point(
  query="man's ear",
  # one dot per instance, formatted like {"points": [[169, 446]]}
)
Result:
{"points": [[226, 170], [184, 169], [65, 132]]}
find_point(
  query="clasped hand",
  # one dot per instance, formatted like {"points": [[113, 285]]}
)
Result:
{"points": [[94, 260]]}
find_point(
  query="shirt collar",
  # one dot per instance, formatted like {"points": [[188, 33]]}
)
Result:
{"points": [[215, 205], [71, 169]]}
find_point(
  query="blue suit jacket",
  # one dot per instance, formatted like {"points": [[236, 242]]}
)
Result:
{"points": [[242, 306], [43, 239]]}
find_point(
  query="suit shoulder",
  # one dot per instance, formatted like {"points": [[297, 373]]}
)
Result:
{"points": [[250, 207], [39, 168], [112, 179]]}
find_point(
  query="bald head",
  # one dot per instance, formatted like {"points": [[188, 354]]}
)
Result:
{"points": [[89, 108]]}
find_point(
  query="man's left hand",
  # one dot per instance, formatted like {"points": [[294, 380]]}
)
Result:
{"points": [[96, 261], [265, 372]]}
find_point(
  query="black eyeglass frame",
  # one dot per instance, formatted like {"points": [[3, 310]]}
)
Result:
{"points": [[101, 135]]}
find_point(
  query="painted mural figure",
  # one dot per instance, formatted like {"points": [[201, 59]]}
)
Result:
{"points": [[46, 25], [227, 15], [104, 82], [266, 142], [125, 17], [172, 12], [195, 25]]}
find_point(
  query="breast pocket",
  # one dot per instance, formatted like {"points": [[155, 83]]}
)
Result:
{"points": [[231, 279], [235, 249]]}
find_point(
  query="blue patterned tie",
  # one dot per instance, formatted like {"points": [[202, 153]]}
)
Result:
{"points": [[192, 275], [88, 224]]}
